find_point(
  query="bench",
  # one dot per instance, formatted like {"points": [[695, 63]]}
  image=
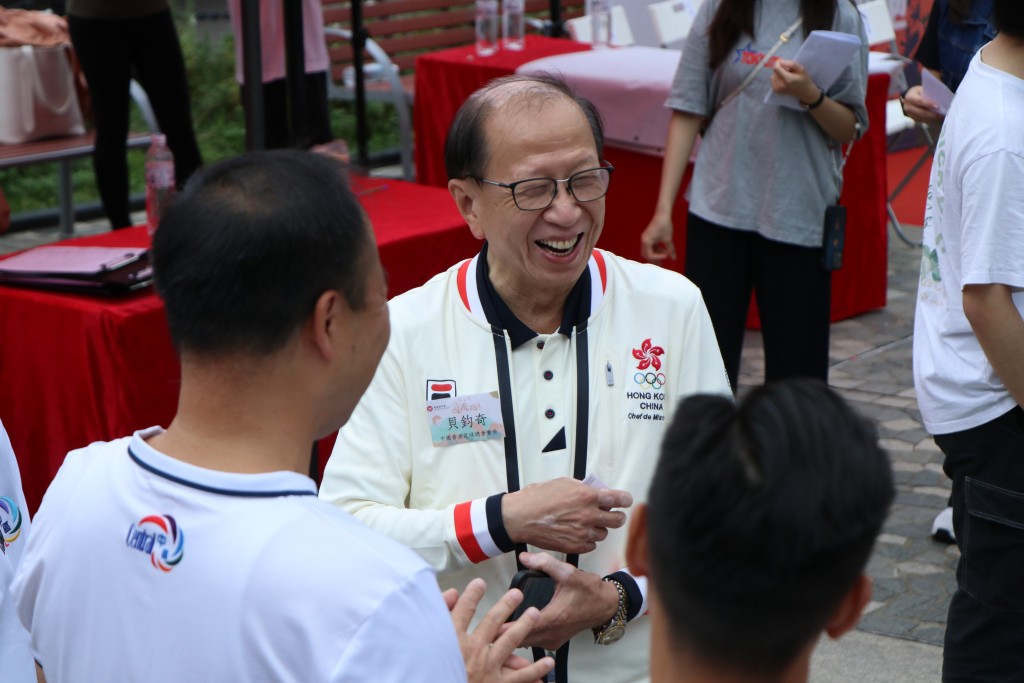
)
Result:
{"points": [[399, 31], [62, 151]]}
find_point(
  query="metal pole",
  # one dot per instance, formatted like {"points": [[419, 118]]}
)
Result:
{"points": [[557, 28], [295, 69], [252, 71], [359, 36]]}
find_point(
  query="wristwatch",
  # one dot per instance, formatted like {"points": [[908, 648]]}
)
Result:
{"points": [[613, 631]]}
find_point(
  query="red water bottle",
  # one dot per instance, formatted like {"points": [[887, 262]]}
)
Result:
{"points": [[159, 181]]}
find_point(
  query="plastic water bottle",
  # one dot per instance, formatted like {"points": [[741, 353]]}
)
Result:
{"points": [[601, 23], [159, 181], [513, 25], [486, 27]]}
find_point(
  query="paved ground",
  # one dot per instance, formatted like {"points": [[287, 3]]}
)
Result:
{"points": [[900, 636], [899, 639]]}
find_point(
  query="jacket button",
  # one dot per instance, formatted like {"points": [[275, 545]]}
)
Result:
{"points": [[549, 413], [548, 375]]}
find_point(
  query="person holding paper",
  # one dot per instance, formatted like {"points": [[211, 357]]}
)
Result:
{"points": [[956, 30], [764, 173]]}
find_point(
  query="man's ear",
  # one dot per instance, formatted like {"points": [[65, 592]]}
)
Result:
{"points": [[465, 193], [637, 554], [327, 322], [850, 609]]}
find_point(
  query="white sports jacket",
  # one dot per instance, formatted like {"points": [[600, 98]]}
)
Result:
{"points": [[648, 342]]}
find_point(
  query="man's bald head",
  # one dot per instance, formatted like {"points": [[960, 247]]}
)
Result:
{"points": [[466, 147]]}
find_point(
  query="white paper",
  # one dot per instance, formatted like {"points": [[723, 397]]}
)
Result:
{"points": [[936, 91], [824, 55]]}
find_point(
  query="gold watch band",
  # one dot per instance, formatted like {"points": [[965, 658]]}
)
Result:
{"points": [[613, 631]]}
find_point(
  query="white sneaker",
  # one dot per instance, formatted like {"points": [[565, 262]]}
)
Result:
{"points": [[942, 527]]}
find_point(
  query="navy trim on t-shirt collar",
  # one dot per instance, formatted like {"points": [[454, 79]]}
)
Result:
{"points": [[213, 489], [576, 312]]}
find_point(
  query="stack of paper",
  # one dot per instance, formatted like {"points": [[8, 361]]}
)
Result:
{"points": [[824, 55]]}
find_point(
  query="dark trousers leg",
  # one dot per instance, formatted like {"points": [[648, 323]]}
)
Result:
{"points": [[276, 114], [719, 261], [156, 54], [793, 298], [105, 58], [985, 627]]}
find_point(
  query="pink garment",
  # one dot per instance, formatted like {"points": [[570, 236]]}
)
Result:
{"points": [[272, 37]]}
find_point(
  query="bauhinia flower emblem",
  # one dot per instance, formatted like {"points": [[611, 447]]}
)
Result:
{"points": [[648, 355]]}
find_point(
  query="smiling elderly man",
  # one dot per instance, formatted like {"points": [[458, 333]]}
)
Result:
{"points": [[524, 392]]}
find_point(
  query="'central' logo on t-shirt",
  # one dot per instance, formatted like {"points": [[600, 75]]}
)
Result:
{"points": [[159, 537]]}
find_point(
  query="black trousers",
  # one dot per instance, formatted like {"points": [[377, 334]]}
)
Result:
{"points": [[985, 627], [109, 51], [792, 290], [276, 113]]}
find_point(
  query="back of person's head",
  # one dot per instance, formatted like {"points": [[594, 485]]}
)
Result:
{"points": [[1008, 18], [465, 148], [248, 246], [761, 519]]}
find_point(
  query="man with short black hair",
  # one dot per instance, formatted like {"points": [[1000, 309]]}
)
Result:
{"points": [[968, 341], [201, 552], [760, 521], [524, 390]]}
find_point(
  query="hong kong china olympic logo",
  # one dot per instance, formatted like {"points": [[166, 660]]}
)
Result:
{"points": [[649, 363], [159, 537], [653, 380]]}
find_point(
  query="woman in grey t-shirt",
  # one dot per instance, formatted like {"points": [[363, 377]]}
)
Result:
{"points": [[764, 174]]}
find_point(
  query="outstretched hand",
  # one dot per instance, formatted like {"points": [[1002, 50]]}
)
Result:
{"points": [[488, 650]]}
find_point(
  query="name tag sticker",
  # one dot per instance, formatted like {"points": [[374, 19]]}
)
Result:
{"points": [[463, 419]]}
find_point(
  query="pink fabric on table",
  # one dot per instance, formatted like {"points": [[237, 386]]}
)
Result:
{"points": [[628, 85]]}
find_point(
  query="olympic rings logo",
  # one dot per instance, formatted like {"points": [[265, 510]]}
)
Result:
{"points": [[655, 381]]}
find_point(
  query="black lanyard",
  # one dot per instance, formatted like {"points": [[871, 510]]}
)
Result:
{"points": [[579, 469]]}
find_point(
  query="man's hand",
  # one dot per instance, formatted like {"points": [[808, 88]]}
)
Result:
{"points": [[920, 108], [564, 515], [488, 650], [582, 601]]}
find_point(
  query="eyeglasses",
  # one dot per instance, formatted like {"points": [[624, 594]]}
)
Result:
{"points": [[535, 194]]}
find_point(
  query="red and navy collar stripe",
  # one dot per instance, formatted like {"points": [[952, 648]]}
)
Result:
{"points": [[482, 300]]}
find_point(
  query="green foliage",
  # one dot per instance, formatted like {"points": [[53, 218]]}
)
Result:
{"points": [[218, 119]]}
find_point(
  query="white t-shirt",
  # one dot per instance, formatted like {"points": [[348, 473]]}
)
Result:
{"points": [[145, 568], [973, 234], [16, 665]]}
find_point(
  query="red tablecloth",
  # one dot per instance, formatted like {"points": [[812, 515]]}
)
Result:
{"points": [[76, 369], [445, 79]]}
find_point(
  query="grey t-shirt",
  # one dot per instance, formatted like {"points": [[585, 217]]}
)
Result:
{"points": [[763, 167]]}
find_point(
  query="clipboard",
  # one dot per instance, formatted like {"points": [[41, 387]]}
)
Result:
{"points": [[83, 269]]}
